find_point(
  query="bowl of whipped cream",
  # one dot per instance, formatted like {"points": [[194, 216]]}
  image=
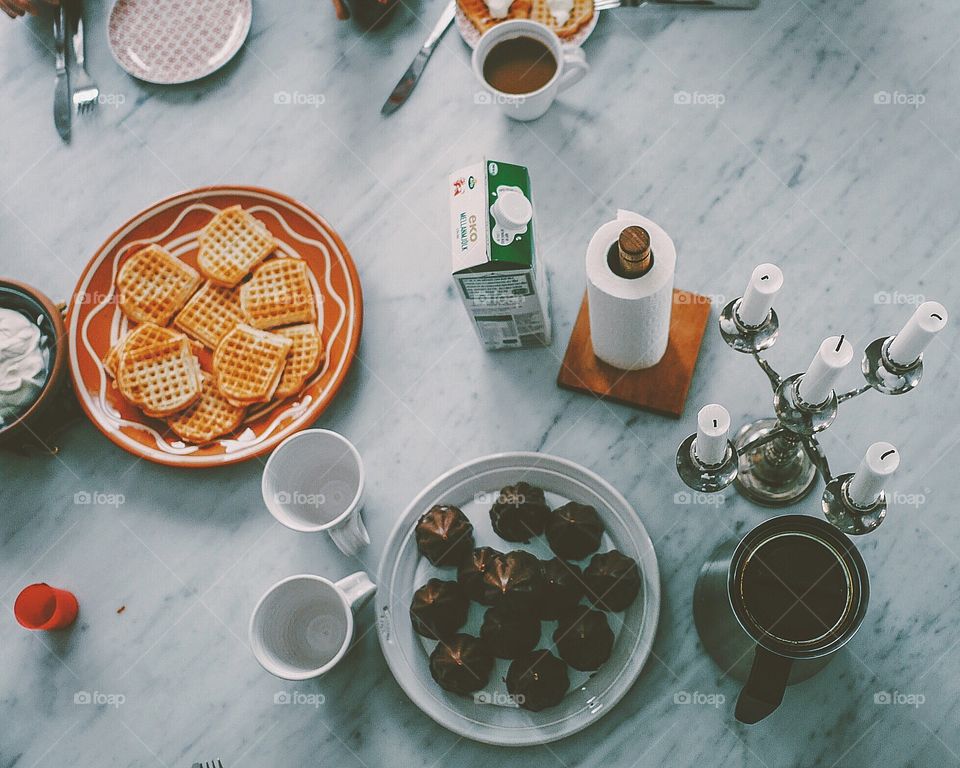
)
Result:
{"points": [[33, 350]]}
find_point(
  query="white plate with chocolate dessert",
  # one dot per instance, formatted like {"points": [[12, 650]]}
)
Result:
{"points": [[518, 599]]}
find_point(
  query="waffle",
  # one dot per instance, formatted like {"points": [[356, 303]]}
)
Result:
{"points": [[161, 378], [279, 293], [210, 417], [248, 363], [210, 314], [232, 244], [153, 285], [141, 336], [303, 359], [478, 14]]}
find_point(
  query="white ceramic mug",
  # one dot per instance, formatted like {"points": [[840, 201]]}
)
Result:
{"points": [[313, 481], [571, 67], [303, 625]]}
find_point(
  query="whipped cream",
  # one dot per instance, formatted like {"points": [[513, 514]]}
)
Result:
{"points": [[500, 8], [560, 10], [23, 367]]}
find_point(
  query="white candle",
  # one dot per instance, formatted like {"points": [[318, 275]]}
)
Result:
{"points": [[907, 346], [879, 463], [816, 384], [765, 283], [713, 425]]}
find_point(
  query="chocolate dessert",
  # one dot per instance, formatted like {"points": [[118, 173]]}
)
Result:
{"points": [[508, 632], [444, 535], [574, 531], [538, 679], [519, 512], [512, 579], [471, 571], [584, 639], [613, 580], [561, 587], [461, 664], [439, 609]]}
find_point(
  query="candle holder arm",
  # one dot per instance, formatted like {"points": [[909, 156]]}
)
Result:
{"points": [[854, 393], [772, 375], [763, 440], [818, 457]]}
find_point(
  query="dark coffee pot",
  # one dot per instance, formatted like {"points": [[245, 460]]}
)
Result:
{"points": [[773, 608]]}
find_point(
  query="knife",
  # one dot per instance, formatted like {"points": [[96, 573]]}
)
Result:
{"points": [[61, 95], [409, 80]]}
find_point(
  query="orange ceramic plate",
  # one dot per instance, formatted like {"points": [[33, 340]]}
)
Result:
{"points": [[95, 323]]}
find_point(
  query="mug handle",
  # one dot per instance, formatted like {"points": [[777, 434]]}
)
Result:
{"points": [[351, 536], [765, 686], [357, 589], [575, 66]]}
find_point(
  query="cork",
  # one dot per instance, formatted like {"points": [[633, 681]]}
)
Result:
{"points": [[636, 258]]}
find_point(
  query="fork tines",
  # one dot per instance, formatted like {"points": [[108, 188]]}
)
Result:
{"points": [[208, 764], [606, 5]]}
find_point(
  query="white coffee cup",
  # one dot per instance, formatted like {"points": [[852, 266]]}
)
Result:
{"points": [[571, 67], [313, 481], [303, 625]]}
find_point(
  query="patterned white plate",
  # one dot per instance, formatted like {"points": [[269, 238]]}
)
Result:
{"points": [[177, 41]]}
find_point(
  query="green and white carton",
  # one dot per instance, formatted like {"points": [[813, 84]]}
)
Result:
{"points": [[495, 264]]}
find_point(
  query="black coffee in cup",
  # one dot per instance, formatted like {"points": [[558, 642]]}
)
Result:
{"points": [[796, 588], [519, 65]]}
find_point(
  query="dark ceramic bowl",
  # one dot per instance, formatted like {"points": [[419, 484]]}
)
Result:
{"points": [[38, 309]]}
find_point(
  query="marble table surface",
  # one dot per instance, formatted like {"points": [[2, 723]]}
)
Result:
{"points": [[819, 135]]}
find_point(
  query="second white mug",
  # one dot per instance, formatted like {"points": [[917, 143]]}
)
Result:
{"points": [[313, 481]]}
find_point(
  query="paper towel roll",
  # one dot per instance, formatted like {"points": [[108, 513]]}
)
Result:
{"points": [[630, 318]]}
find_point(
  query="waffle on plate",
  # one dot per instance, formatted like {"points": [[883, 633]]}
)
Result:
{"points": [[232, 244], [157, 368], [303, 359], [152, 285], [248, 364], [279, 293]]}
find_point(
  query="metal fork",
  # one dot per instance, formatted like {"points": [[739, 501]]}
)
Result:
{"points": [[86, 95], [739, 5], [208, 764]]}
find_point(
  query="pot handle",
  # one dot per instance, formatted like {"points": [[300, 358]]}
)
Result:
{"points": [[764, 688]]}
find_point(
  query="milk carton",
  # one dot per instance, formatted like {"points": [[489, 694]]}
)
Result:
{"points": [[495, 262]]}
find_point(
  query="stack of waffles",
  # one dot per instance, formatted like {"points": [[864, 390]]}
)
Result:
{"points": [[253, 312], [580, 15]]}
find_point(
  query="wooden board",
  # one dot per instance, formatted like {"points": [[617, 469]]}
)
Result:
{"points": [[663, 388]]}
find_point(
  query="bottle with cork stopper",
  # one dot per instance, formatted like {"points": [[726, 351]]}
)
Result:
{"points": [[634, 257]]}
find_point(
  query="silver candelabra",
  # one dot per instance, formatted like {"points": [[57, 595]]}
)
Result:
{"points": [[775, 461]]}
